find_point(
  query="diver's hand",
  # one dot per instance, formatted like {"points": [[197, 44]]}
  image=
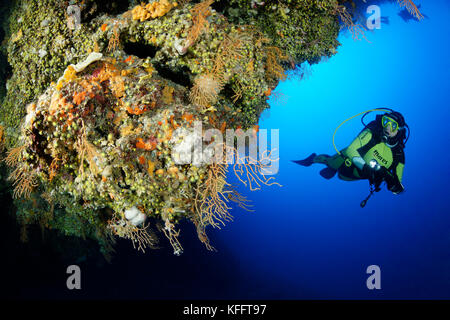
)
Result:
{"points": [[369, 172], [396, 188], [393, 184], [377, 174]]}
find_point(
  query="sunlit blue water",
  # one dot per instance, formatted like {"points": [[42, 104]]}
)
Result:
{"points": [[310, 238]]}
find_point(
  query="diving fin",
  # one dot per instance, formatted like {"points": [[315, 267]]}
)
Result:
{"points": [[306, 162], [328, 173]]}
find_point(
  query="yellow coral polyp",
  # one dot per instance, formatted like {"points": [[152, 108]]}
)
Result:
{"points": [[31, 108], [69, 75], [2, 136], [152, 10], [167, 93], [172, 171], [151, 167], [17, 36]]}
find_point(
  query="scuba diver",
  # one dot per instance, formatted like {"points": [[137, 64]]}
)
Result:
{"points": [[376, 154]]}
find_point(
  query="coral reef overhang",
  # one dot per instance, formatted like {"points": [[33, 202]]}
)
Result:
{"points": [[95, 103]]}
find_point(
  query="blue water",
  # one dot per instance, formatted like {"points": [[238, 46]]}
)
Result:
{"points": [[310, 239]]}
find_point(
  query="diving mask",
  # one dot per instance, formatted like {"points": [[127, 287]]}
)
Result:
{"points": [[388, 121]]}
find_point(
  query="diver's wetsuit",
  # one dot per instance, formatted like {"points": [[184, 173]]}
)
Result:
{"points": [[368, 145]]}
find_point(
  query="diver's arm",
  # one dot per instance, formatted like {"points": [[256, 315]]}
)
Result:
{"points": [[397, 186], [399, 171], [393, 179], [352, 151]]}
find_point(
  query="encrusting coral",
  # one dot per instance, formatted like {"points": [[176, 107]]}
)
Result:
{"points": [[152, 10]]}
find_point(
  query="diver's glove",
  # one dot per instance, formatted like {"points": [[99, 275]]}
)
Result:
{"points": [[396, 188], [393, 184], [376, 174]]}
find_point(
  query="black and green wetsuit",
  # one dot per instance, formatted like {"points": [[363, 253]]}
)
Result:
{"points": [[368, 145]]}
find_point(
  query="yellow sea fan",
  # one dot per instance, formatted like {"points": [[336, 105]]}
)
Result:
{"points": [[411, 7], [206, 90], [24, 182]]}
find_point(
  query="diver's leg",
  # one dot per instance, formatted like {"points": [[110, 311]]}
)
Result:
{"points": [[306, 162], [345, 178], [331, 161], [333, 164], [321, 158], [328, 173], [349, 173]]}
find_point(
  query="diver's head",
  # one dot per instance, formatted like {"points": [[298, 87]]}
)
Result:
{"points": [[390, 132], [392, 123]]}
